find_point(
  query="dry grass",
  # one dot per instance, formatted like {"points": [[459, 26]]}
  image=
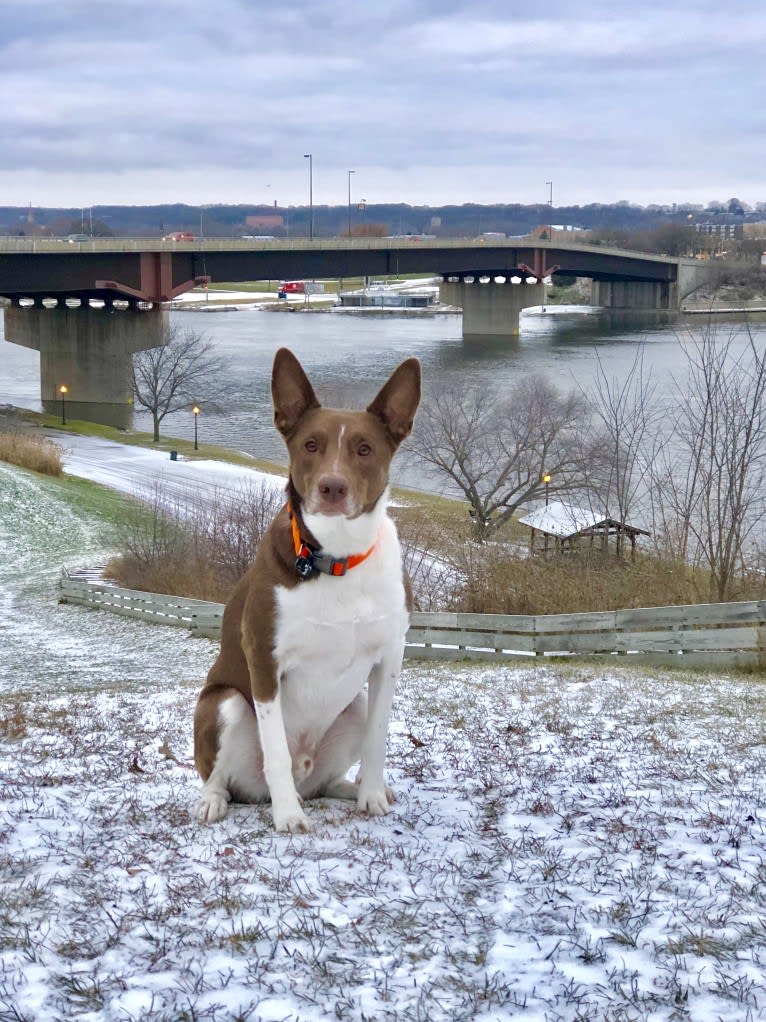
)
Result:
{"points": [[497, 582], [35, 453]]}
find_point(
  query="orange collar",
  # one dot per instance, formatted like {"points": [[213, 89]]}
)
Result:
{"points": [[309, 560]]}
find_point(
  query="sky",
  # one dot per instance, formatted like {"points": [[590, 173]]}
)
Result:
{"points": [[429, 103]]}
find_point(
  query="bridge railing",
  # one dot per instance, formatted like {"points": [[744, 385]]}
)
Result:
{"points": [[61, 246], [695, 635]]}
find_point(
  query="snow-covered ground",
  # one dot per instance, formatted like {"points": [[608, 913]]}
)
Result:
{"points": [[568, 843]]}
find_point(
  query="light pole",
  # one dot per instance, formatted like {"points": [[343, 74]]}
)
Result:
{"points": [[196, 411], [546, 480], [550, 210], [349, 201], [310, 158], [63, 390]]}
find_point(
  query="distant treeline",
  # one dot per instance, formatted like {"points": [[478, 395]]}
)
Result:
{"points": [[467, 220]]}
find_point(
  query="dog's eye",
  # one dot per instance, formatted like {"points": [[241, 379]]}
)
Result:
{"points": [[363, 450], [311, 446]]}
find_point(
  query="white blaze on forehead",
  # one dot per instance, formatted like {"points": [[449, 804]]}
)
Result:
{"points": [[340, 446]]}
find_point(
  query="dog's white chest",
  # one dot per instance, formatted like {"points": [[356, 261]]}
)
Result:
{"points": [[330, 632]]}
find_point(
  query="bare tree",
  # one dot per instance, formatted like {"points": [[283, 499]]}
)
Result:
{"points": [[496, 449], [714, 480], [180, 373], [626, 415]]}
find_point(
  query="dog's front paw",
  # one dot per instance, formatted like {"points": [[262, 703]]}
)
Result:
{"points": [[212, 806], [292, 821], [375, 801]]}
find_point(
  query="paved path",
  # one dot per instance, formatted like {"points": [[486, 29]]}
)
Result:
{"points": [[140, 471]]}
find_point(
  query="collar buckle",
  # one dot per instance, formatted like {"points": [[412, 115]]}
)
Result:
{"points": [[337, 566], [304, 563]]}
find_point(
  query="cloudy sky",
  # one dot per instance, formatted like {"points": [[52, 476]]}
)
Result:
{"points": [[428, 101]]}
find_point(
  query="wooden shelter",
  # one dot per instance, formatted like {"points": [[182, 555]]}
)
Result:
{"points": [[560, 528]]}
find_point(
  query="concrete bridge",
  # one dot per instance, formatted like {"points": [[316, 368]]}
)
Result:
{"points": [[88, 307]]}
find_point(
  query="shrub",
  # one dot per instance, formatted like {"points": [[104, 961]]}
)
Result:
{"points": [[193, 546], [35, 453]]}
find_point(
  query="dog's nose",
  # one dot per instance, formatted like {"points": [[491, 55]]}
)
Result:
{"points": [[332, 489]]}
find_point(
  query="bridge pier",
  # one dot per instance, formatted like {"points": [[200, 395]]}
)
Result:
{"points": [[492, 305], [90, 350], [659, 295]]}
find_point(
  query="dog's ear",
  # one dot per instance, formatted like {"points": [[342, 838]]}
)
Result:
{"points": [[291, 391], [398, 400]]}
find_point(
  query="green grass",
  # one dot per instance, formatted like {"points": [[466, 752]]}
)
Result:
{"points": [[105, 503]]}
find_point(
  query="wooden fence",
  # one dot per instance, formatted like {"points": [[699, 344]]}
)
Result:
{"points": [[716, 634], [198, 616]]}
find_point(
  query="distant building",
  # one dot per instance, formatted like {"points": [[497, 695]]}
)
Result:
{"points": [[384, 296], [719, 230]]}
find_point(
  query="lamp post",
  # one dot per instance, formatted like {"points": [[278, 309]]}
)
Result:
{"points": [[63, 390], [546, 480], [550, 210], [349, 201], [196, 411], [310, 158]]}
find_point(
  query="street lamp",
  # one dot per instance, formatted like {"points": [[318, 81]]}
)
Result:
{"points": [[310, 158], [546, 480], [196, 411], [63, 390], [349, 201], [550, 210]]}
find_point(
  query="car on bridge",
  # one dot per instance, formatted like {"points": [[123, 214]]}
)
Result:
{"points": [[179, 236]]}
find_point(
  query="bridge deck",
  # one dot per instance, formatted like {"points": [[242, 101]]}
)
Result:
{"points": [[156, 270]]}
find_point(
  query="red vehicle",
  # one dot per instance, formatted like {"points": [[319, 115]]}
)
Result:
{"points": [[293, 287], [179, 236]]}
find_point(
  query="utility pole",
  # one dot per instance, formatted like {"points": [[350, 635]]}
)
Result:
{"points": [[349, 201], [310, 158]]}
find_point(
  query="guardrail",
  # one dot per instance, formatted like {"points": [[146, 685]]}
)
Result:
{"points": [[706, 635]]}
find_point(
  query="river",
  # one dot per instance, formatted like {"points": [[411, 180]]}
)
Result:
{"points": [[349, 356]]}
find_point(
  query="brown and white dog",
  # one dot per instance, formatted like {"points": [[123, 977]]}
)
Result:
{"points": [[322, 612]]}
